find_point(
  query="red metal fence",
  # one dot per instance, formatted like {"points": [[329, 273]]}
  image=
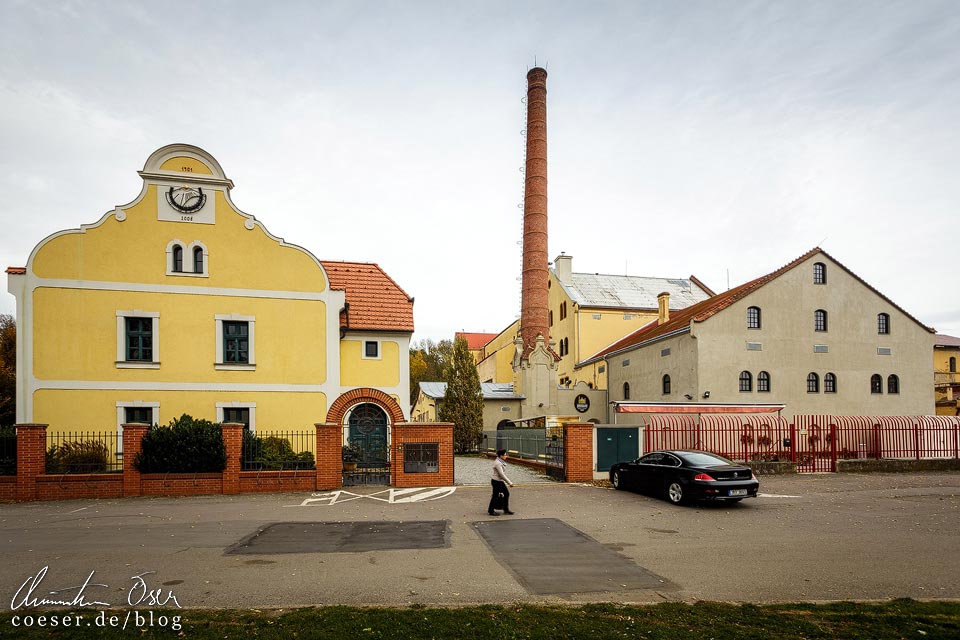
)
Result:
{"points": [[813, 442]]}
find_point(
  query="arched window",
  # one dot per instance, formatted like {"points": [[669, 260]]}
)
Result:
{"points": [[746, 381], [626, 390], [813, 383], [666, 385], [177, 259], [876, 383], [953, 364], [819, 273], [753, 317], [893, 384], [883, 323], [829, 383], [763, 382], [198, 260], [819, 320]]}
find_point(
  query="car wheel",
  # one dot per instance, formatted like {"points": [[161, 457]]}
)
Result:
{"points": [[617, 480], [675, 492]]}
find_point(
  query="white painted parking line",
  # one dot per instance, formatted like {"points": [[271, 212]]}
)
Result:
{"points": [[390, 496], [774, 495]]}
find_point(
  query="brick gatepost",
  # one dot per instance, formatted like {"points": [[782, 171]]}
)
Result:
{"points": [[578, 451], [31, 458], [329, 455], [233, 439], [132, 446]]}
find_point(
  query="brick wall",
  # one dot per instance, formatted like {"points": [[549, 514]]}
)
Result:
{"points": [[8, 488], [32, 483], [407, 432]]}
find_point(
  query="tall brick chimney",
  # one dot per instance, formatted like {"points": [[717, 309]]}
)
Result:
{"points": [[534, 306]]}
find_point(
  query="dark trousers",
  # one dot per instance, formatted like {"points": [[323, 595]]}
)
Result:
{"points": [[497, 502]]}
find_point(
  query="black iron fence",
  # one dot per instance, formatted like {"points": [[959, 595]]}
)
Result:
{"points": [[279, 450], [8, 451], [85, 452]]}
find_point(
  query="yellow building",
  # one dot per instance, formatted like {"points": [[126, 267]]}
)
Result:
{"points": [[181, 303], [588, 312], [946, 354]]}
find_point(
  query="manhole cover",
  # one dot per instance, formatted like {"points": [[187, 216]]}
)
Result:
{"points": [[548, 556], [343, 537]]}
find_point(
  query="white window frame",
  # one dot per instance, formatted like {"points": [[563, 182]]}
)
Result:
{"points": [[251, 363], [252, 406], [363, 350], [122, 362], [122, 406]]}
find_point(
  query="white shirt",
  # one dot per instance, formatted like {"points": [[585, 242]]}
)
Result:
{"points": [[499, 471]]}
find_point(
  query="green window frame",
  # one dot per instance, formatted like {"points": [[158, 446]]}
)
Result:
{"points": [[239, 415], [138, 415], [139, 339], [236, 342]]}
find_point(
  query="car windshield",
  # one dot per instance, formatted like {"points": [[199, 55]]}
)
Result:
{"points": [[704, 459]]}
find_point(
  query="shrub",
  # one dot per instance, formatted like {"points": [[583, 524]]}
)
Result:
{"points": [[186, 445], [78, 456], [273, 452]]}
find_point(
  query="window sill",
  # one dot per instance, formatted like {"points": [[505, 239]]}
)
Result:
{"points": [[137, 365], [220, 366], [188, 274]]}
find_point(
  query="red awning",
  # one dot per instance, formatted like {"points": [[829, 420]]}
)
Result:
{"points": [[655, 407]]}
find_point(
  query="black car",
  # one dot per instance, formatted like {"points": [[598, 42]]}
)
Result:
{"points": [[681, 476]]}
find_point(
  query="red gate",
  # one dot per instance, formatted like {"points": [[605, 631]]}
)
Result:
{"points": [[813, 440]]}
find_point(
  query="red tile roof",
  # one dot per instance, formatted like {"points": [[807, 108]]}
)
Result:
{"points": [[376, 302], [475, 341], [680, 320], [16, 270]]}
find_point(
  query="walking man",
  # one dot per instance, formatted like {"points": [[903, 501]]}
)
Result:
{"points": [[501, 495]]}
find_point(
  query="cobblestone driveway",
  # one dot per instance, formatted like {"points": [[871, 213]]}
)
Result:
{"points": [[474, 470]]}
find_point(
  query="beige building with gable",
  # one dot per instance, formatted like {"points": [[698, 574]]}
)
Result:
{"points": [[811, 335]]}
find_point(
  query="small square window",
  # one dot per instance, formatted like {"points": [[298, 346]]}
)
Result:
{"points": [[371, 349]]}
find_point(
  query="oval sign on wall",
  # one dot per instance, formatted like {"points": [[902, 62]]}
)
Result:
{"points": [[582, 403]]}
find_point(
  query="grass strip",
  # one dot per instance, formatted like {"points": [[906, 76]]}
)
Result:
{"points": [[896, 619]]}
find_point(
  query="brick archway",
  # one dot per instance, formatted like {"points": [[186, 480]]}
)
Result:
{"points": [[364, 394]]}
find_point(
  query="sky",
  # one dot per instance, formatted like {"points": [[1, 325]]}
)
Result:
{"points": [[718, 139]]}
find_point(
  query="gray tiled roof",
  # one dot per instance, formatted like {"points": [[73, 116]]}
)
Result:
{"points": [[631, 292], [490, 390]]}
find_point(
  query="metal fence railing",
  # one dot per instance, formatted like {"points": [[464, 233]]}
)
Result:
{"points": [[528, 444], [84, 452], [815, 443], [279, 450]]}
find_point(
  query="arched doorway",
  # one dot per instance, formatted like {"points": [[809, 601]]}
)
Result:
{"points": [[367, 445]]}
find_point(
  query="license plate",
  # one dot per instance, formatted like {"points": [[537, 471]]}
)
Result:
{"points": [[738, 492]]}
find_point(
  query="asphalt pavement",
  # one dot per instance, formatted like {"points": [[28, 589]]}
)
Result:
{"points": [[823, 537]]}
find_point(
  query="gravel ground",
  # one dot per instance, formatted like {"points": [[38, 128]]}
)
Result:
{"points": [[476, 471]]}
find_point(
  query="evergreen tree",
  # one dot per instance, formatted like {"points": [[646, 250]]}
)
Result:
{"points": [[463, 400]]}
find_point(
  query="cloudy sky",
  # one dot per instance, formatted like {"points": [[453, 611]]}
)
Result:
{"points": [[719, 139]]}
